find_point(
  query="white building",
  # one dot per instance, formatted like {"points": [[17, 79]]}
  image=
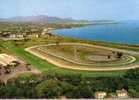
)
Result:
{"points": [[121, 93], [6, 59], [100, 95]]}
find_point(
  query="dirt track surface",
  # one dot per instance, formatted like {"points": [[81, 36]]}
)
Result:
{"points": [[63, 65]]}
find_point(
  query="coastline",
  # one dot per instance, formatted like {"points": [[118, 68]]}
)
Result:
{"points": [[99, 36], [96, 41]]}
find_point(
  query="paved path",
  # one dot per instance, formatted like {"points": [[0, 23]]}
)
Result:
{"points": [[63, 65]]}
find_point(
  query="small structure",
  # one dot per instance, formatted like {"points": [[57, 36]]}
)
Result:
{"points": [[100, 95], [7, 59], [6, 34], [19, 36], [121, 93], [12, 36], [33, 35]]}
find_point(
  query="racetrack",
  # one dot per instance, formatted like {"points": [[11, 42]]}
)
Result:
{"points": [[61, 63]]}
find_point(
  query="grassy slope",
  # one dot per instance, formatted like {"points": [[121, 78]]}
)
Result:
{"points": [[46, 67]]}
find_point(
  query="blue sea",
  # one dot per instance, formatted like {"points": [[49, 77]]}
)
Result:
{"points": [[126, 32]]}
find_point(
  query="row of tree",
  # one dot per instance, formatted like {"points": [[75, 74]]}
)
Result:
{"points": [[68, 86]]}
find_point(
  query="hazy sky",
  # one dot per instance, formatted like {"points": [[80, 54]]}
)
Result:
{"points": [[78, 9]]}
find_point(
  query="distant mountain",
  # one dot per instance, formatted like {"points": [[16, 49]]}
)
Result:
{"points": [[41, 19], [104, 22]]}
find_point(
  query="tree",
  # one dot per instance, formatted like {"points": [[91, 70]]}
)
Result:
{"points": [[119, 54], [109, 56], [2, 91], [84, 90], [67, 89], [57, 43], [132, 74], [48, 89]]}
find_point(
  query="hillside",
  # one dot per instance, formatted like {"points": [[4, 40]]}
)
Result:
{"points": [[41, 19]]}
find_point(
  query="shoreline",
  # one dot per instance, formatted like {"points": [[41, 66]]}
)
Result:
{"points": [[97, 41], [101, 43], [89, 39]]}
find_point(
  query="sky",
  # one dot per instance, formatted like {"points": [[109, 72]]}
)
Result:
{"points": [[77, 9]]}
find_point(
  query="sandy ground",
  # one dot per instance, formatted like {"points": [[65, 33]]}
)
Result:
{"points": [[17, 73], [63, 65]]}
